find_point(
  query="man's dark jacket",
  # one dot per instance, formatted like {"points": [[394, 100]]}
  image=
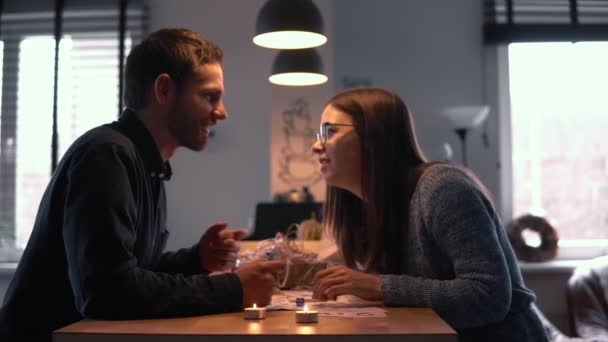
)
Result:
{"points": [[96, 249]]}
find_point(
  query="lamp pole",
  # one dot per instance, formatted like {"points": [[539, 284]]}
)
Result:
{"points": [[462, 134]]}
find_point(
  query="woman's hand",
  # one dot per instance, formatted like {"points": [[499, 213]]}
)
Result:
{"points": [[340, 280]]}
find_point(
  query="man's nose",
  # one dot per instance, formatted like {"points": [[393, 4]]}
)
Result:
{"points": [[220, 112]]}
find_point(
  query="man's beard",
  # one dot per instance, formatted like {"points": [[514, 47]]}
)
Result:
{"points": [[188, 134]]}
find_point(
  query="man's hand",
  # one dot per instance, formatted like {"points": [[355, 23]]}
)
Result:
{"points": [[219, 247], [257, 279], [340, 280]]}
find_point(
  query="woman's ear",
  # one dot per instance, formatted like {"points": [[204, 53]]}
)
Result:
{"points": [[163, 89]]}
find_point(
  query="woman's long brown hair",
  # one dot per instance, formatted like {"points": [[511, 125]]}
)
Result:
{"points": [[376, 225]]}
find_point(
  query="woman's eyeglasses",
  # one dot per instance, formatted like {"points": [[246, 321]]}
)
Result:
{"points": [[323, 133]]}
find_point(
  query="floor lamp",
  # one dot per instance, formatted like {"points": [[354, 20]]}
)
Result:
{"points": [[464, 119]]}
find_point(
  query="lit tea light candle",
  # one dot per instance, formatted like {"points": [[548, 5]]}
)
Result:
{"points": [[307, 316], [255, 312]]}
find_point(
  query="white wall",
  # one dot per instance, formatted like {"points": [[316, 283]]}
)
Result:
{"points": [[428, 51]]}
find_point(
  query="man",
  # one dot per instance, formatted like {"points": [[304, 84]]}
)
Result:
{"points": [[96, 247]]}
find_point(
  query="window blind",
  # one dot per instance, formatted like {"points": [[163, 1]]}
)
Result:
{"points": [[88, 94], [508, 21]]}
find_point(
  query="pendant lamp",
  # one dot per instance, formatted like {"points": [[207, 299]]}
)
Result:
{"points": [[289, 24], [297, 68]]}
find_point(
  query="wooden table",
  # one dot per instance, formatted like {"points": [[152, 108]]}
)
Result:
{"points": [[401, 324]]}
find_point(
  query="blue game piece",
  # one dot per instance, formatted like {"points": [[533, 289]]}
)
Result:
{"points": [[299, 301]]}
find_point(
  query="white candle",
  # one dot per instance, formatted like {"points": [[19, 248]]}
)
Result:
{"points": [[255, 312], [307, 316]]}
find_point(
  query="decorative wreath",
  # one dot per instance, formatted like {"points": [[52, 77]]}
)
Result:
{"points": [[548, 247]]}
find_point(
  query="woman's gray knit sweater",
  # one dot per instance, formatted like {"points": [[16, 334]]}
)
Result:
{"points": [[459, 262]]}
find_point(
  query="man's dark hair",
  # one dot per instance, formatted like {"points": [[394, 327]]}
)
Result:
{"points": [[175, 52]]}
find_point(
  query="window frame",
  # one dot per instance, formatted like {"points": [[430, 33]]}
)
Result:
{"points": [[499, 97]]}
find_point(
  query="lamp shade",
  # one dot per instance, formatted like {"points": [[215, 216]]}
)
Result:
{"points": [[466, 117], [297, 68], [289, 24]]}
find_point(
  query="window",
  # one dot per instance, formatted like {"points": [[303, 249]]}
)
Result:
{"points": [[88, 81], [88, 97], [559, 116]]}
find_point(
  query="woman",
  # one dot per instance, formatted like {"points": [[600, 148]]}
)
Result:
{"points": [[414, 233]]}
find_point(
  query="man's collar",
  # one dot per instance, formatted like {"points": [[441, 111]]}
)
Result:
{"points": [[132, 126]]}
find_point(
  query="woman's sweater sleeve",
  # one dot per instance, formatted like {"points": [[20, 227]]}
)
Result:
{"points": [[459, 220]]}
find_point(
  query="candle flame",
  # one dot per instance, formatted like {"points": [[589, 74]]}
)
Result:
{"points": [[254, 306], [305, 308]]}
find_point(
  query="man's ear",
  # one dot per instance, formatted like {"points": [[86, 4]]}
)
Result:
{"points": [[164, 89]]}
